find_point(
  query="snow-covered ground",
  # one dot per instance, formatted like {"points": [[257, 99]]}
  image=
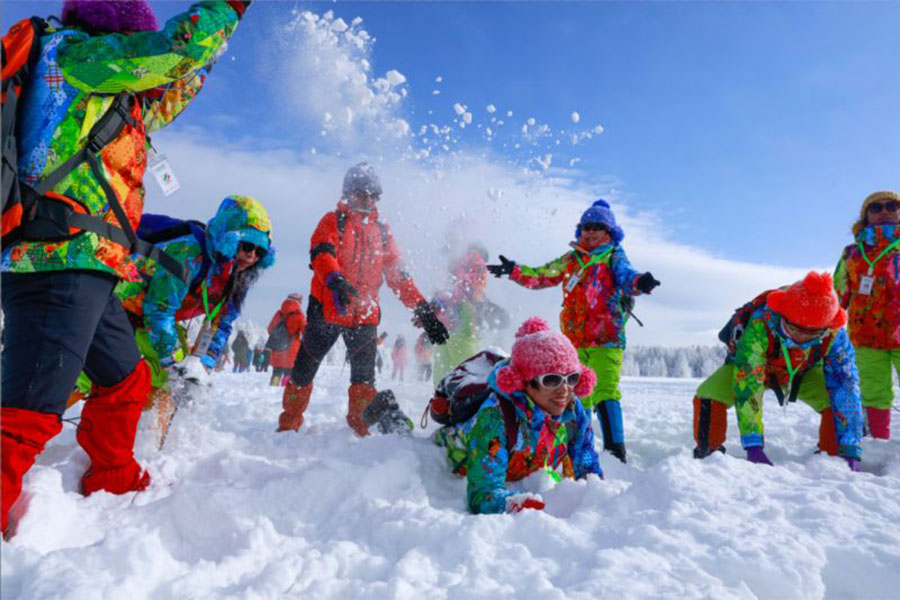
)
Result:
{"points": [[236, 511]]}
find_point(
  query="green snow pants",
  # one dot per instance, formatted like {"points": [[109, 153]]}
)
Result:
{"points": [[720, 387], [606, 363], [876, 377]]}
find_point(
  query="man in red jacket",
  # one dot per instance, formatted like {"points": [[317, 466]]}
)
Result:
{"points": [[285, 330], [350, 253]]}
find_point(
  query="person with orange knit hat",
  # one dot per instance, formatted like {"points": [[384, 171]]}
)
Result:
{"points": [[792, 341], [867, 280]]}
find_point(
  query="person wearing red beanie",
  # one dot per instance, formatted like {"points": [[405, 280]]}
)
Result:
{"points": [[867, 280], [539, 388], [792, 341]]}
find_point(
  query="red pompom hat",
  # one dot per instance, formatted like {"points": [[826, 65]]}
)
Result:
{"points": [[811, 302], [539, 351]]}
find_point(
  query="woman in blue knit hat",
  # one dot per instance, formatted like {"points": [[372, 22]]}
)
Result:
{"points": [[598, 286]]}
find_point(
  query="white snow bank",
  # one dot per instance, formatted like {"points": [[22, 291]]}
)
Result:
{"points": [[236, 511]]}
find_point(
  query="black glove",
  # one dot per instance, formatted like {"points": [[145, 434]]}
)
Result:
{"points": [[424, 316], [505, 267], [340, 291], [646, 283]]}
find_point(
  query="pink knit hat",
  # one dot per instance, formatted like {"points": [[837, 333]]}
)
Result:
{"points": [[538, 351]]}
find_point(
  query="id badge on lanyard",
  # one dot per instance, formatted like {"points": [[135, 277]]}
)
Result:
{"points": [[865, 284], [573, 281], [204, 338]]}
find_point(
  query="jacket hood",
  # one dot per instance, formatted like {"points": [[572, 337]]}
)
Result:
{"points": [[291, 305], [240, 219]]}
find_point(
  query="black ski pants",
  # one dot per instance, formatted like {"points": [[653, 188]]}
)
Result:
{"points": [[318, 338]]}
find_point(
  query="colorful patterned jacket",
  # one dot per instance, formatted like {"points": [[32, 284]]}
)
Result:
{"points": [[594, 286], [71, 88], [363, 250], [874, 317], [489, 465], [760, 357], [160, 299]]}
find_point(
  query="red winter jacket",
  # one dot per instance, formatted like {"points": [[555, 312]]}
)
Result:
{"points": [[364, 252], [292, 313]]}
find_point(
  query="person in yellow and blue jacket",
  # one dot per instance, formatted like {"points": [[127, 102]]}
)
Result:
{"points": [[599, 285], [532, 420], [107, 59]]}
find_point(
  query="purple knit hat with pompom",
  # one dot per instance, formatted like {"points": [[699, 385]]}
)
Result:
{"points": [[110, 16]]}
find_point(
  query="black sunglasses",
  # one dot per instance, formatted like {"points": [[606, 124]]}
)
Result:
{"points": [[593, 227], [253, 248], [551, 381], [877, 207]]}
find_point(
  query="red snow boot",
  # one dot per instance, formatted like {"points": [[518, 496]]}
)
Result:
{"points": [[360, 395], [879, 422], [107, 431], [23, 434], [710, 426], [294, 402], [827, 436]]}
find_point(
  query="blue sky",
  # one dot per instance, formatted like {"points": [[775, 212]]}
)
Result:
{"points": [[749, 131]]}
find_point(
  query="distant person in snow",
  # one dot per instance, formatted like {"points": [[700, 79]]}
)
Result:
{"points": [[463, 308], [599, 286], [530, 420], [792, 341], [241, 349], [867, 280], [379, 356], [103, 80], [285, 330], [351, 252], [399, 357], [423, 353]]}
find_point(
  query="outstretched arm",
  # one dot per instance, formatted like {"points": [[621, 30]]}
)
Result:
{"points": [[548, 275]]}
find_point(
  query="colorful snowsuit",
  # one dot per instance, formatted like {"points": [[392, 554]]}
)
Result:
{"points": [[477, 447], [874, 324], [830, 379], [594, 287], [72, 86], [292, 314], [160, 299]]}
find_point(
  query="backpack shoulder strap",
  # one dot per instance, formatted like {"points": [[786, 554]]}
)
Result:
{"points": [[510, 422], [341, 223], [385, 236]]}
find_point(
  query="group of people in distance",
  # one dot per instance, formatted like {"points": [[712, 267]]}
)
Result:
{"points": [[100, 306]]}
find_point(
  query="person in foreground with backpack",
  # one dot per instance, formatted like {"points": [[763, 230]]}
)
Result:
{"points": [[351, 252], [285, 330], [598, 290], [867, 280], [531, 419], [75, 125], [792, 341]]}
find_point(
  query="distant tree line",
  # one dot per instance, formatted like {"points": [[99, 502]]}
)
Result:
{"points": [[657, 361]]}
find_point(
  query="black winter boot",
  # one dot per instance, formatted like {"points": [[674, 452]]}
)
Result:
{"points": [[384, 412]]}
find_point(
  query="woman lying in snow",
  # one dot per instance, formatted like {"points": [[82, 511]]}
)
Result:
{"points": [[531, 420]]}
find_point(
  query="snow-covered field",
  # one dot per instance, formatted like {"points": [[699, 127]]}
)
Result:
{"points": [[236, 511]]}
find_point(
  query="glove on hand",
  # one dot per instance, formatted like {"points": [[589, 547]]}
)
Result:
{"points": [[519, 502], [340, 291], [853, 463], [505, 267], [646, 283], [424, 316], [758, 456], [192, 369], [239, 6]]}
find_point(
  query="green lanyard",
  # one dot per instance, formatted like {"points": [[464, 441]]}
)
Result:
{"points": [[790, 368], [215, 311], [560, 439], [872, 263], [595, 259]]}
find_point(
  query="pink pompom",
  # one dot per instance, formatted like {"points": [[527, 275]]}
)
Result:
{"points": [[509, 381], [586, 383], [532, 325]]}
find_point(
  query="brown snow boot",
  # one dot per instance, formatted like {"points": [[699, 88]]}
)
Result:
{"points": [[360, 395], [294, 401]]}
